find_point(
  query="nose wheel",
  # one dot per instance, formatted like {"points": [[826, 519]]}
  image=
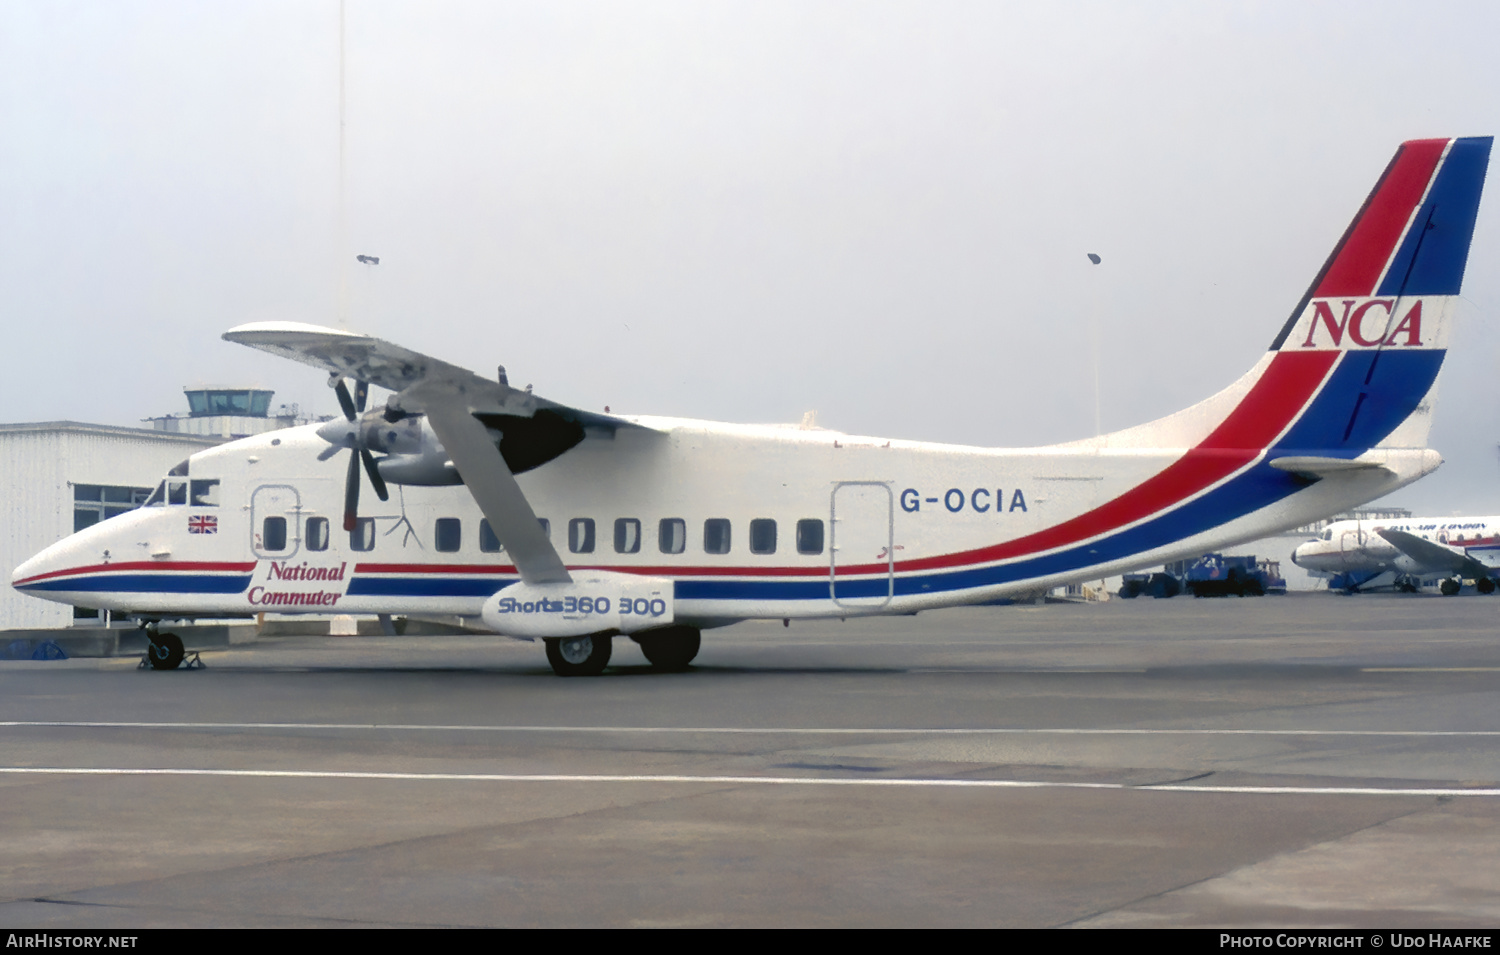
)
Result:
{"points": [[164, 651]]}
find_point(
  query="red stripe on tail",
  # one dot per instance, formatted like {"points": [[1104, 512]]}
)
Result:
{"points": [[1373, 239]]}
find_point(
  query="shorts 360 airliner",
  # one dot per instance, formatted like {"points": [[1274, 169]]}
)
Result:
{"points": [[534, 519]]}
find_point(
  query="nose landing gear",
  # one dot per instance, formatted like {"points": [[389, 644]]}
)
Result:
{"points": [[164, 651]]}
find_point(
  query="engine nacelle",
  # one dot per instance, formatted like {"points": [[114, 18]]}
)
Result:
{"points": [[597, 601]]}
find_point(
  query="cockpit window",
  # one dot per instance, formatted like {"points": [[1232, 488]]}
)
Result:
{"points": [[158, 497], [176, 492], [204, 493]]}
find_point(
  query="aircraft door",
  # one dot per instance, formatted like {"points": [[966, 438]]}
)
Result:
{"points": [[275, 521], [861, 559], [1350, 544]]}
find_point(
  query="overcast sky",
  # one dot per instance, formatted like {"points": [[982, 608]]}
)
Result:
{"points": [[739, 211]]}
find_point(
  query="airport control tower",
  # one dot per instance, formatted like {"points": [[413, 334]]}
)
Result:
{"points": [[228, 413]]}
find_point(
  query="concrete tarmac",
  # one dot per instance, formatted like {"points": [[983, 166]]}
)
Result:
{"points": [[1312, 760]]}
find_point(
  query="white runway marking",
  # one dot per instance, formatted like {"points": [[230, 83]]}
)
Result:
{"points": [[739, 781], [738, 730], [1430, 670]]}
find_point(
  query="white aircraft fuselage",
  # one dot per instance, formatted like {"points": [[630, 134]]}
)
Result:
{"points": [[658, 528], [905, 526]]}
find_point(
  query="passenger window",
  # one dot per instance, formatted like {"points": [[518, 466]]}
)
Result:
{"points": [[204, 493], [363, 536], [488, 542], [272, 533], [627, 536], [672, 535], [716, 535], [762, 536], [447, 535], [810, 536], [176, 492], [317, 533], [581, 535]]}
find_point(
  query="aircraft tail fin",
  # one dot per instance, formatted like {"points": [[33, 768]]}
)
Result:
{"points": [[1410, 241], [1355, 366], [1374, 324]]}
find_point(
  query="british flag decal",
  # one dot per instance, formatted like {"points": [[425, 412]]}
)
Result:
{"points": [[203, 525]]}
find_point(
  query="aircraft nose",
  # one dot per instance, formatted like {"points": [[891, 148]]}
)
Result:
{"points": [[36, 567], [1299, 552]]}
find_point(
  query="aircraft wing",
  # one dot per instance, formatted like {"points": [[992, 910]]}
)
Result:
{"points": [[1434, 555], [450, 397], [379, 362]]}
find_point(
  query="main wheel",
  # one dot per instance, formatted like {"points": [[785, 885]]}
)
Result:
{"points": [[671, 648], [579, 656], [1485, 585], [164, 651], [1449, 587]]}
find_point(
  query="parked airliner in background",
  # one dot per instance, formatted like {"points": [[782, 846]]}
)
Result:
{"points": [[534, 519], [1401, 553]]}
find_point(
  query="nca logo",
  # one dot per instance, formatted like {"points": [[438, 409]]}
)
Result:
{"points": [[1367, 323]]}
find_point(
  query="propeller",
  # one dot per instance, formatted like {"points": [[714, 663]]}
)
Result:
{"points": [[346, 434]]}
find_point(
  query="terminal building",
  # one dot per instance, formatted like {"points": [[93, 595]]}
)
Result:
{"points": [[59, 477]]}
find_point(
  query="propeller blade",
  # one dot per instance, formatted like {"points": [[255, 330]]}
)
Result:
{"points": [[346, 402], [376, 481], [351, 493], [329, 452], [361, 394]]}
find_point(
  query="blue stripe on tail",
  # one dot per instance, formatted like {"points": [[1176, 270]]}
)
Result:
{"points": [[1432, 256]]}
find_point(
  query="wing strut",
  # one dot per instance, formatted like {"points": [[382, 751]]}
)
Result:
{"points": [[495, 489]]}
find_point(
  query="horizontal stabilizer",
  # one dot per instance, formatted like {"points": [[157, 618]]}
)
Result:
{"points": [[1319, 468]]}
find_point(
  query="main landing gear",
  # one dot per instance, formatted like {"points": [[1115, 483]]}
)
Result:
{"points": [[579, 656], [670, 649], [1451, 586], [164, 651]]}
